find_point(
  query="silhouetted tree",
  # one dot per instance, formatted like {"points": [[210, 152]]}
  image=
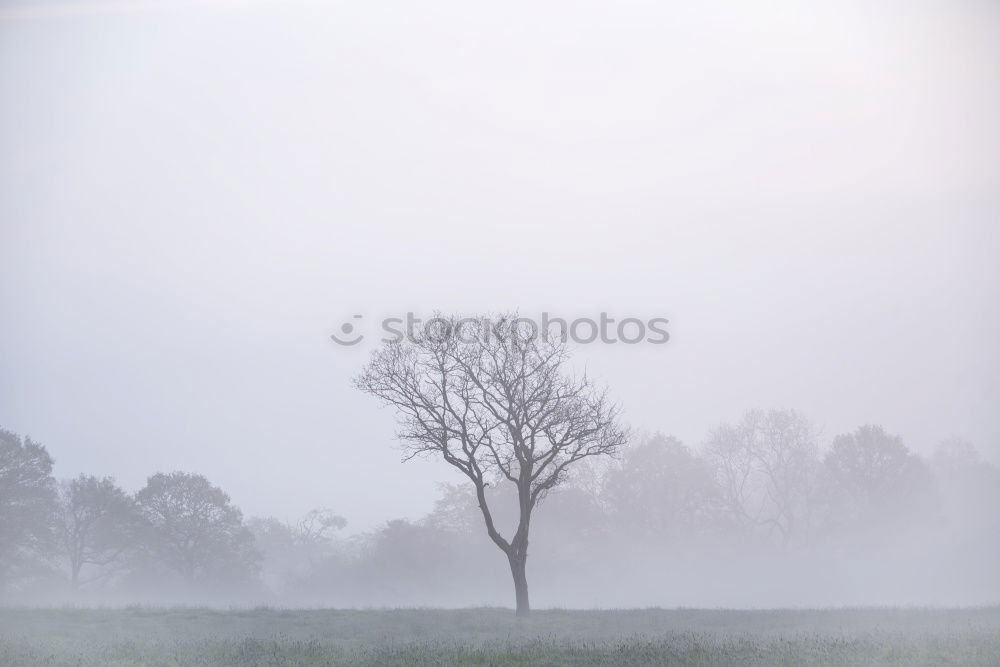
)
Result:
{"points": [[194, 530], [315, 530], [661, 491], [872, 478], [500, 407], [456, 509], [28, 505], [766, 466], [289, 550], [956, 454], [970, 497], [98, 527]]}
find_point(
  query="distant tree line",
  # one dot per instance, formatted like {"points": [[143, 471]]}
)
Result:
{"points": [[89, 532], [663, 519]]}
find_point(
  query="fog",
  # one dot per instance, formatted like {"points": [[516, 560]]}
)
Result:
{"points": [[194, 197]]}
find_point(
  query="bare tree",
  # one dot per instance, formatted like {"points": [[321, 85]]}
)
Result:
{"points": [[501, 407], [290, 551], [314, 530], [766, 467]]}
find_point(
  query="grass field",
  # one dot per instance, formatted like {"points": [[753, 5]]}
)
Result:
{"points": [[156, 636]]}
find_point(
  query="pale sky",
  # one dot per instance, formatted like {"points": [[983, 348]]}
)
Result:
{"points": [[194, 196]]}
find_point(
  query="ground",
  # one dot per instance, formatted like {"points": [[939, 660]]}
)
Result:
{"points": [[157, 636]]}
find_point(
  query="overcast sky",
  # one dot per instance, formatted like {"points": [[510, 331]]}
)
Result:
{"points": [[194, 196]]}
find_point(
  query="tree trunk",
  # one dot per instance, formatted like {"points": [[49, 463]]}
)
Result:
{"points": [[517, 569], [75, 566]]}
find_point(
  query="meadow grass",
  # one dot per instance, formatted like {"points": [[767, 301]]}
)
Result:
{"points": [[490, 636]]}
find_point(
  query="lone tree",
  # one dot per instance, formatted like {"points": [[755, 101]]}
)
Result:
{"points": [[493, 398]]}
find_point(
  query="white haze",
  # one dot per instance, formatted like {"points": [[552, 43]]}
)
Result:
{"points": [[194, 196]]}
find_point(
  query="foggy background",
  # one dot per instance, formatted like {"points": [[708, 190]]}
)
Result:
{"points": [[193, 197]]}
